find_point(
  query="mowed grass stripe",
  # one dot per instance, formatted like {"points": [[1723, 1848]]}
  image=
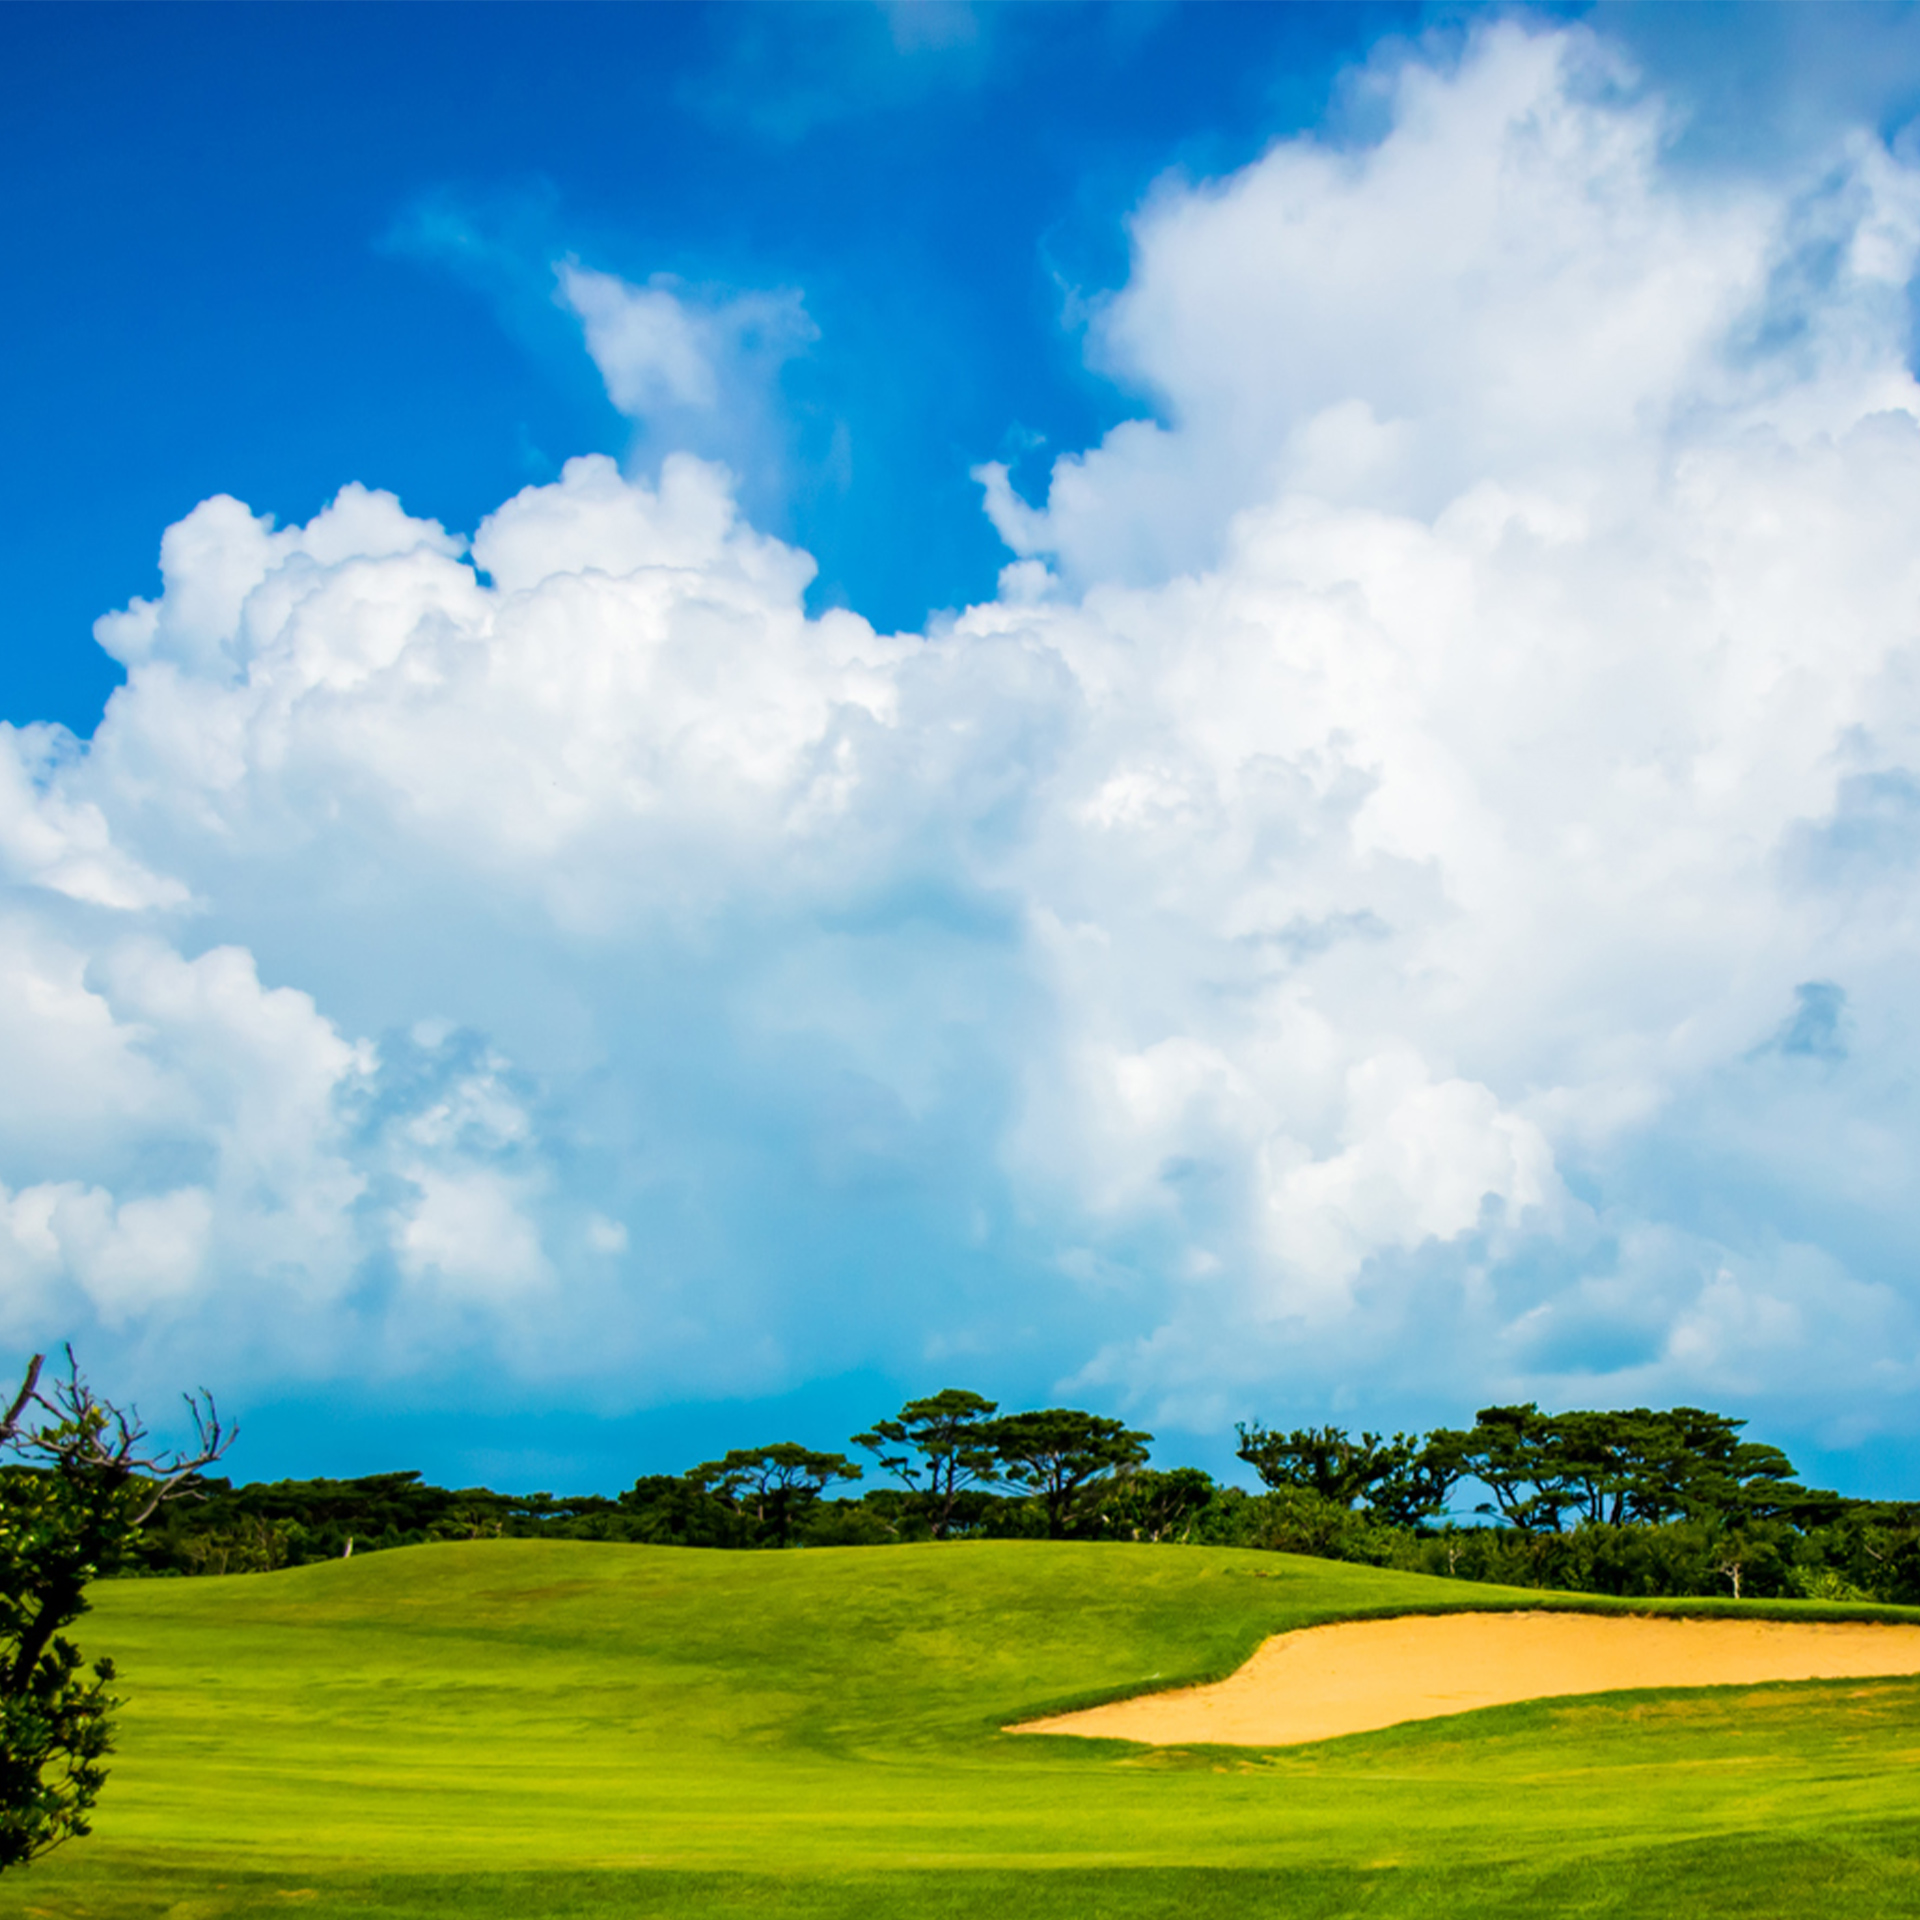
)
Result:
{"points": [[616, 1718], [1754, 1877]]}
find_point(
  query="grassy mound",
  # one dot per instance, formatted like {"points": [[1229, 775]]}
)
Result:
{"points": [[543, 1728]]}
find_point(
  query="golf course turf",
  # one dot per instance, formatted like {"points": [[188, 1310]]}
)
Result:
{"points": [[555, 1728]]}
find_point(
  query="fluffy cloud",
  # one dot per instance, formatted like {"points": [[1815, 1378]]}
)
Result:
{"points": [[1405, 895], [695, 374]]}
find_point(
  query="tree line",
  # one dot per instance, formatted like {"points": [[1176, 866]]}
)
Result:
{"points": [[958, 1467], [1638, 1502], [1634, 1502]]}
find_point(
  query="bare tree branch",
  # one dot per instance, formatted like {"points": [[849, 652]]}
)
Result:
{"points": [[26, 1397], [83, 1430]]}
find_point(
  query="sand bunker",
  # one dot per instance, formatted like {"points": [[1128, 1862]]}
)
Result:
{"points": [[1325, 1681]]}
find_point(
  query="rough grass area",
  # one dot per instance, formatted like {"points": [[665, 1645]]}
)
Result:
{"points": [[535, 1728]]}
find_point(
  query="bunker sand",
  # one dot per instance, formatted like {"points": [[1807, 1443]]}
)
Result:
{"points": [[1320, 1682]]}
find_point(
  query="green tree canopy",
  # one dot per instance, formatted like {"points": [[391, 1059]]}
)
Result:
{"points": [[775, 1484], [1147, 1504], [1634, 1467], [938, 1447], [1066, 1458], [1399, 1481]]}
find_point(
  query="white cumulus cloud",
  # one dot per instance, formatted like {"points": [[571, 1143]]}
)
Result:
{"points": [[696, 373], [1407, 892]]}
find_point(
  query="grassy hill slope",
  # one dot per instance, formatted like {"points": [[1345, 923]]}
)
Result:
{"points": [[534, 1728]]}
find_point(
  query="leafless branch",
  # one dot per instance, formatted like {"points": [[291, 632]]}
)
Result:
{"points": [[25, 1398], [85, 1430]]}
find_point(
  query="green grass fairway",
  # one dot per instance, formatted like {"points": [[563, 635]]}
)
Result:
{"points": [[527, 1728]]}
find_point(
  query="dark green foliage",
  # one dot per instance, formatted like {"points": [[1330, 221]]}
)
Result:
{"points": [[1067, 1459], [1398, 1481], [939, 1447], [59, 1527], [54, 1733], [1871, 1550], [1150, 1505], [291, 1523], [1637, 1467], [776, 1486], [1681, 1557], [72, 1499], [671, 1510]]}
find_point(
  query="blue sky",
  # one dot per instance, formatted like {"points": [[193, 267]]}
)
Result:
{"points": [[1325, 833], [260, 251]]}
